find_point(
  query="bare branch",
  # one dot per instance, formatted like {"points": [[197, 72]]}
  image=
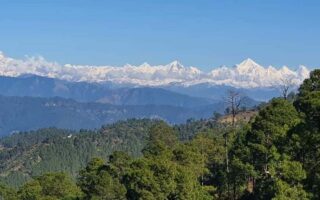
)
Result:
{"points": [[234, 100], [286, 86]]}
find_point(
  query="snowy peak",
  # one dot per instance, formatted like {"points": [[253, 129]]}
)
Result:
{"points": [[303, 71], [248, 66], [175, 63], [247, 74], [145, 64], [287, 73], [248, 62], [176, 66]]}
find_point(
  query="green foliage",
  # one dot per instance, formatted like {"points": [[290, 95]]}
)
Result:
{"points": [[192, 127], [262, 153], [97, 183], [50, 186], [161, 138], [307, 135], [169, 171], [284, 191], [268, 135], [7, 193], [291, 171], [308, 100]]}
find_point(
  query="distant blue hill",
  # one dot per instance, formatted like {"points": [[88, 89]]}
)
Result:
{"points": [[36, 86], [30, 102], [30, 113]]}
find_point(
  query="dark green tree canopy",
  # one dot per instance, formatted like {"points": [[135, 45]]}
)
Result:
{"points": [[308, 100]]}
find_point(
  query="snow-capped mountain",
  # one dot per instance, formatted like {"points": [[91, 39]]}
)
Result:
{"points": [[247, 74]]}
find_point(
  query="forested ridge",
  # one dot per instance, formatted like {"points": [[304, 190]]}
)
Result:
{"points": [[274, 156]]}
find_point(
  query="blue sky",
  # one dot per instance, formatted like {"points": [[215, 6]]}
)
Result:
{"points": [[202, 33]]}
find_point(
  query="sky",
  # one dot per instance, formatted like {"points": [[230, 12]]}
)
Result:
{"points": [[201, 33]]}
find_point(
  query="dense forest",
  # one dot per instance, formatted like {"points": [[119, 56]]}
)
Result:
{"points": [[274, 156]]}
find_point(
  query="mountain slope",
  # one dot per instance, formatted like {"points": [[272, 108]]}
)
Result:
{"points": [[153, 96], [37, 86], [29, 113], [28, 154], [219, 92], [25, 155]]}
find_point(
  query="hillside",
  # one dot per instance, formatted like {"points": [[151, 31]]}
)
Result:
{"points": [[154, 96], [244, 116], [37, 86], [30, 113], [27, 154]]}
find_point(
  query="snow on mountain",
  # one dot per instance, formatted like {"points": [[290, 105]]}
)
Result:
{"points": [[247, 74]]}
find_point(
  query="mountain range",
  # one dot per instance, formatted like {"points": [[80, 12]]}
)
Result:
{"points": [[35, 93], [247, 74]]}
